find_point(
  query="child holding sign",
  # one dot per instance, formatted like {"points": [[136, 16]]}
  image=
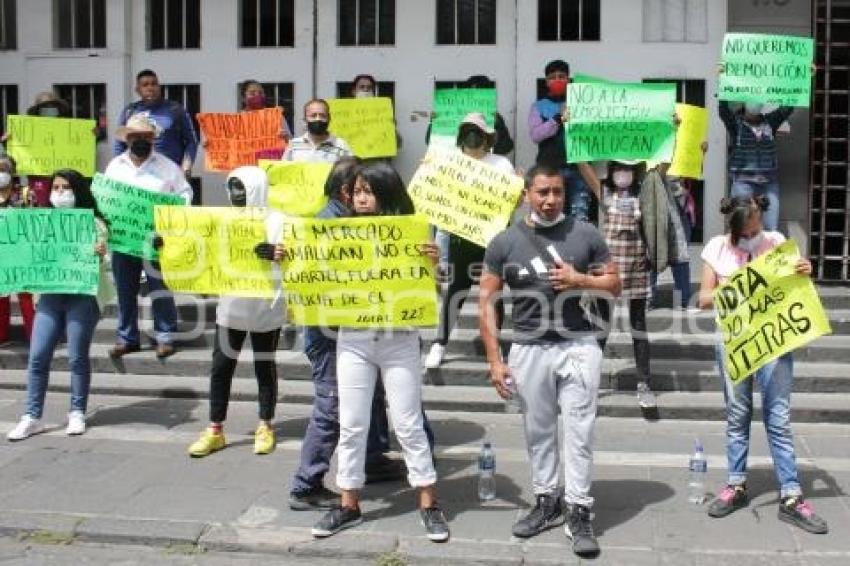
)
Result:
{"points": [[378, 190], [723, 256], [72, 315]]}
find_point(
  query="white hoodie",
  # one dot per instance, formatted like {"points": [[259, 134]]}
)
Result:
{"points": [[255, 315]]}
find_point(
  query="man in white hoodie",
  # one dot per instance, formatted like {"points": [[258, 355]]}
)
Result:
{"points": [[236, 319]]}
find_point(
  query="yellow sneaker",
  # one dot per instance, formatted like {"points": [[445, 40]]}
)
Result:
{"points": [[208, 443], [263, 440]]}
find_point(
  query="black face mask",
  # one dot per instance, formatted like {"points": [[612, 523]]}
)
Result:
{"points": [[141, 148], [317, 127], [238, 194], [474, 139]]}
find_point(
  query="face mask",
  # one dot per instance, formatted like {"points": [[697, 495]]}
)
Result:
{"points": [[236, 190], [255, 102], [317, 127], [753, 108], [474, 139], [62, 199], [50, 111], [364, 94], [5, 179], [541, 222], [751, 245], [623, 179], [558, 87], [141, 148]]}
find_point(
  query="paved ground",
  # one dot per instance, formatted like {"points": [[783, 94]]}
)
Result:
{"points": [[127, 493]]}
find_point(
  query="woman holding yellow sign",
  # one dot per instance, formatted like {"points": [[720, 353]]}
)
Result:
{"points": [[722, 257]]}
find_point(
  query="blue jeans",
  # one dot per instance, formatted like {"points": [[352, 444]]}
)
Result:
{"points": [[127, 270], [770, 189], [75, 317], [322, 435], [681, 283], [578, 194], [775, 381]]}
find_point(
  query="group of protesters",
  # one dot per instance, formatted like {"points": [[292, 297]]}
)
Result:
{"points": [[563, 273]]}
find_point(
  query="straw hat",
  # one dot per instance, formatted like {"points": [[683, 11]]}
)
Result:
{"points": [[137, 124]]}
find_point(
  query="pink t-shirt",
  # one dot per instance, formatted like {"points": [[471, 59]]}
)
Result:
{"points": [[725, 259]]}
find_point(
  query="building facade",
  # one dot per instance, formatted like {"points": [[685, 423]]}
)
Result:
{"points": [[90, 50]]}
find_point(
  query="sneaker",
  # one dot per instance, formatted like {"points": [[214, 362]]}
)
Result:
{"points": [[645, 396], [548, 512], [435, 356], [76, 423], [730, 499], [315, 499], [580, 531], [436, 526], [264, 442], [335, 520], [25, 428], [208, 443], [797, 512], [382, 469]]}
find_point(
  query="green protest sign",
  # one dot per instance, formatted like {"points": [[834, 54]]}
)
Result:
{"points": [[48, 250], [40, 145], [620, 121], [772, 69], [129, 210], [451, 105]]}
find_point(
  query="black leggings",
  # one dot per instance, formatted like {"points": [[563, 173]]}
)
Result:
{"points": [[228, 344], [640, 338]]}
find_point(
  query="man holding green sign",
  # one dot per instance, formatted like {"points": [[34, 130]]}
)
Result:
{"points": [[139, 179]]}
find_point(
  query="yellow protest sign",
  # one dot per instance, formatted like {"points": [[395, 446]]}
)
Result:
{"points": [[41, 145], [464, 196], [295, 188], [362, 272], [765, 310], [210, 250], [692, 132], [367, 124]]}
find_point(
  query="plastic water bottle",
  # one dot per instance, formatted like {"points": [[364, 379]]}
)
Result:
{"points": [[512, 403], [698, 467], [486, 473]]}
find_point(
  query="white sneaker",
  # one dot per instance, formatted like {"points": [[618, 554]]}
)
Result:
{"points": [[27, 427], [435, 356], [76, 423]]}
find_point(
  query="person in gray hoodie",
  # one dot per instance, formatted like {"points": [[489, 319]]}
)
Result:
{"points": [[239, 317]]}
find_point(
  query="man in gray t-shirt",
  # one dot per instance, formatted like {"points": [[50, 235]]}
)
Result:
{"points": [[549, 262]]}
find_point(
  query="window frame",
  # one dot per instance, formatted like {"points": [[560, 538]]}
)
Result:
{"points": [[477, 10], [96, 22], [283, 38], [8, 25], [184, 30], [560, 10], [378, 16]]}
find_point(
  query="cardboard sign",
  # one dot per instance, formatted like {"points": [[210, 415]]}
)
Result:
{"points": [[41, 146], [234, 139]]}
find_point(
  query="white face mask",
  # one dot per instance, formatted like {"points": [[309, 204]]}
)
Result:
{"points": [[5, 179], [623, 179], [751, 245], [364, 94], [753, 108], [62, 199], [544, 223]]}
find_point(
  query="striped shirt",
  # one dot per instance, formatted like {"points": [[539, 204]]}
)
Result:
{"points": [[304, 150]]}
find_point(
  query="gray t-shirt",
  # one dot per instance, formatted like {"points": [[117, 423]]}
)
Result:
{"points": [[521, 256]]}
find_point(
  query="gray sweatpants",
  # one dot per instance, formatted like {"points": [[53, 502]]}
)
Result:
{"points": [[550, 376]]}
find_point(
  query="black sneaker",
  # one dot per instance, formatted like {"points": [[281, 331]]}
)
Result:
{"points": [[547, 513], [730, 499], [580, 531], [798, 512], [335, 520], [436, 526], [382, 469], [316, 498]]}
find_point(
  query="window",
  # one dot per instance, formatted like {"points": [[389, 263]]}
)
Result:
{"points": [[267, 23], [366, 22], [8, 26], [174, 24], [568, 20], [79, 24], [691, 91], [466, 22], [86, 101], [277, 94], [385, 88], [675, 21], [189, 95], [8, 103]]}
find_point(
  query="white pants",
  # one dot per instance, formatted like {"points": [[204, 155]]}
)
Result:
{"points": [[360, 353], [550, 376]]}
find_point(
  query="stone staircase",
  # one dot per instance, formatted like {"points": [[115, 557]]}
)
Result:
{"points": [[683, 364]]}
